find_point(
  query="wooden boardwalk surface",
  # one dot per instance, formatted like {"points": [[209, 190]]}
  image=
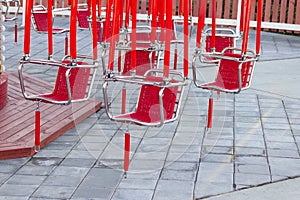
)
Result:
{"points": [[17, 121]]}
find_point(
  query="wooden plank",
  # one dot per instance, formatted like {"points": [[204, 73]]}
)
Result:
{"points": [[195, 9], [227, 7], [267, 15], [234, 9], [143, 6], [297, 20], [283, 10], [275, 11], [291, 12], [219, 8]]}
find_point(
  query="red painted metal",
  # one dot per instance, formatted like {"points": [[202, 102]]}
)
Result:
{"points": [[247, 27], [180, 8], [214, 15], [73, 29], [99, 3], [114, 33], [168, 38], [16, 32], [186, 38], [133, 44], [50, 29], [201, 19], [37, 140], [127, 152], [161, 18], [123, 111], [29, 6], [82, 18], [153, 22], [258, 29], [210, 112], [127, 11], [94, 30], [107, 19], [66, 45]]}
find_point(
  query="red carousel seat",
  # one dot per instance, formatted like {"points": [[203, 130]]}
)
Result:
{"points": [[82, 16], [227, 77], [147, 110], [78, 78]]}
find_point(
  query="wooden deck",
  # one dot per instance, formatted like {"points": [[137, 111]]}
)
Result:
{"points": [[17, 121]]}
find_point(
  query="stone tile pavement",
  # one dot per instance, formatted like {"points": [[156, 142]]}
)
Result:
{"points": [[254, 141]]}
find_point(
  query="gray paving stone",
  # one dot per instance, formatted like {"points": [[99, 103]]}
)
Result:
{"points": [[35, 170], [170, 189], [8, 168], [13, 198], [255, 160], [178, 175], [252, 169], [205, 189], [25, 180], [70, 171], [133, 194], [57, 192], [251, 179], [283, 153], [184, 166], [64, 181], [17, 190], [281, 145], [138, 184], [250, 151], [287, 167], [78, 162], [217, 158]]}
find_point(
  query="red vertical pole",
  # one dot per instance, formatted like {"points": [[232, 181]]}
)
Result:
{"points": [[243, 10], [168, 38], [201, 21], [99, 3], [258, 27], [50, 30], [37, 140], [210, 112], [162, 19], [126, 152], [180, 8], [16, 32], [107, 19], [133, 39], [73, 29], [29, 5], [94, 29], [186, 38], [121, 13], [123, 111], [127, 10], [214, 15], [150, 7], [247, 27], [115, 31], [153, 22]]}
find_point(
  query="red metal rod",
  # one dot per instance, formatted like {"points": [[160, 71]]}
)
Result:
{"points": [[133, 39], [258, 28], [123, 100], [186, 38], [175, 57], [121, 13], [201, 21], [153, 22], [127, 10], [16, 32], [162, 19], [210, 112], [114, 33], [66, 44], [94, 29], [89, 7], [126, 152], [180, 8], [29, 5], [73, 29], [107, 19], [37, 140], [214, 15], [150, 7], [99, 3], [247, 27], [168, 38], [190, 7], [243, 10], [50, 29]]}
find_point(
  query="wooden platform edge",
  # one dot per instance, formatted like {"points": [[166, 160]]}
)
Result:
{"points": [[27, 150]]}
